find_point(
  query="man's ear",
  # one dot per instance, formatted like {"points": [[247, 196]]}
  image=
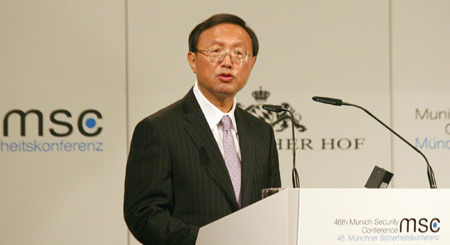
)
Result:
{"points": [[253, 60], [192, 59]]}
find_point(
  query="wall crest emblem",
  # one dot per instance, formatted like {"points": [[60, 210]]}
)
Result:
{"points": [[279, 121]]}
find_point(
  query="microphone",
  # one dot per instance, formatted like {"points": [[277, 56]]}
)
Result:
{"points": [[338, 102], [326, 100], [278, 108], [274, 108]]}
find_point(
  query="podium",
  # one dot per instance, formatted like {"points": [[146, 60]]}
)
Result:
{"points": [[337, 216]]}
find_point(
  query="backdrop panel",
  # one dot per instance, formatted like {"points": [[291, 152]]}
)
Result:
{"points": [[62, 71], [326, 48], [421, 90]]}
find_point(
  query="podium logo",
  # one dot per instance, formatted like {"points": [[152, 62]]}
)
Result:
{"points": [[421, 225], [86, 122]]}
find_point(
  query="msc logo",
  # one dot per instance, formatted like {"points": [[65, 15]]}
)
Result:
{"points": [[420, 225], [86, 123]]}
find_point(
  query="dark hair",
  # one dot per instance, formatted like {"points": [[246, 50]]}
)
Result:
{"points": [[220, 19]]}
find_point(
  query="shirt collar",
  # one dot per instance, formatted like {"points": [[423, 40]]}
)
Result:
{"points": [[212, 113]]}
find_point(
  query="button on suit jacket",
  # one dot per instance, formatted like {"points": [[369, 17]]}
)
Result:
{"points": [[176, 178]]}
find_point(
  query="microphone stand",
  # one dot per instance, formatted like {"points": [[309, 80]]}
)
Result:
{"points": [[295, 178], [276, 109], [430, 173], [338, 102]]}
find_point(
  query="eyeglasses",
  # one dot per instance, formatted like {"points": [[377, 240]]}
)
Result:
{"points": [[218, 54]]}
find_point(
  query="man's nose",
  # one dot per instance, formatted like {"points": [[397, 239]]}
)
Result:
{"points": [[227, 60]]}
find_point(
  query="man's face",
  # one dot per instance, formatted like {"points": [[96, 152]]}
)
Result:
{"points": [[222, 79]]}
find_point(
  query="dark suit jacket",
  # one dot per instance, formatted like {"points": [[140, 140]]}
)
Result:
{"points": [[176, 178]]}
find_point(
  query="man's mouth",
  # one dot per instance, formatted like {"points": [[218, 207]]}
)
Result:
{"points": [[226, 77]]}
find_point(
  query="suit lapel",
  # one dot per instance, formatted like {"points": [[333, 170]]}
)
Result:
{"points": [[198, 129], [247, 146]]}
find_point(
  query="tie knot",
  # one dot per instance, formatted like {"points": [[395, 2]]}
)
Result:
{"points": [[226, 123]]}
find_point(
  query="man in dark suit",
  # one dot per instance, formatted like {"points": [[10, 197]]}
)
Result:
{"points": [[201, 158]]}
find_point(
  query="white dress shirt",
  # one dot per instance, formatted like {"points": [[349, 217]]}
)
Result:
{"points": [[214, 116]]}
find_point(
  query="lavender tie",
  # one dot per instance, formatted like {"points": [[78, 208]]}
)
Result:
{"points": [[231, 157]]}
